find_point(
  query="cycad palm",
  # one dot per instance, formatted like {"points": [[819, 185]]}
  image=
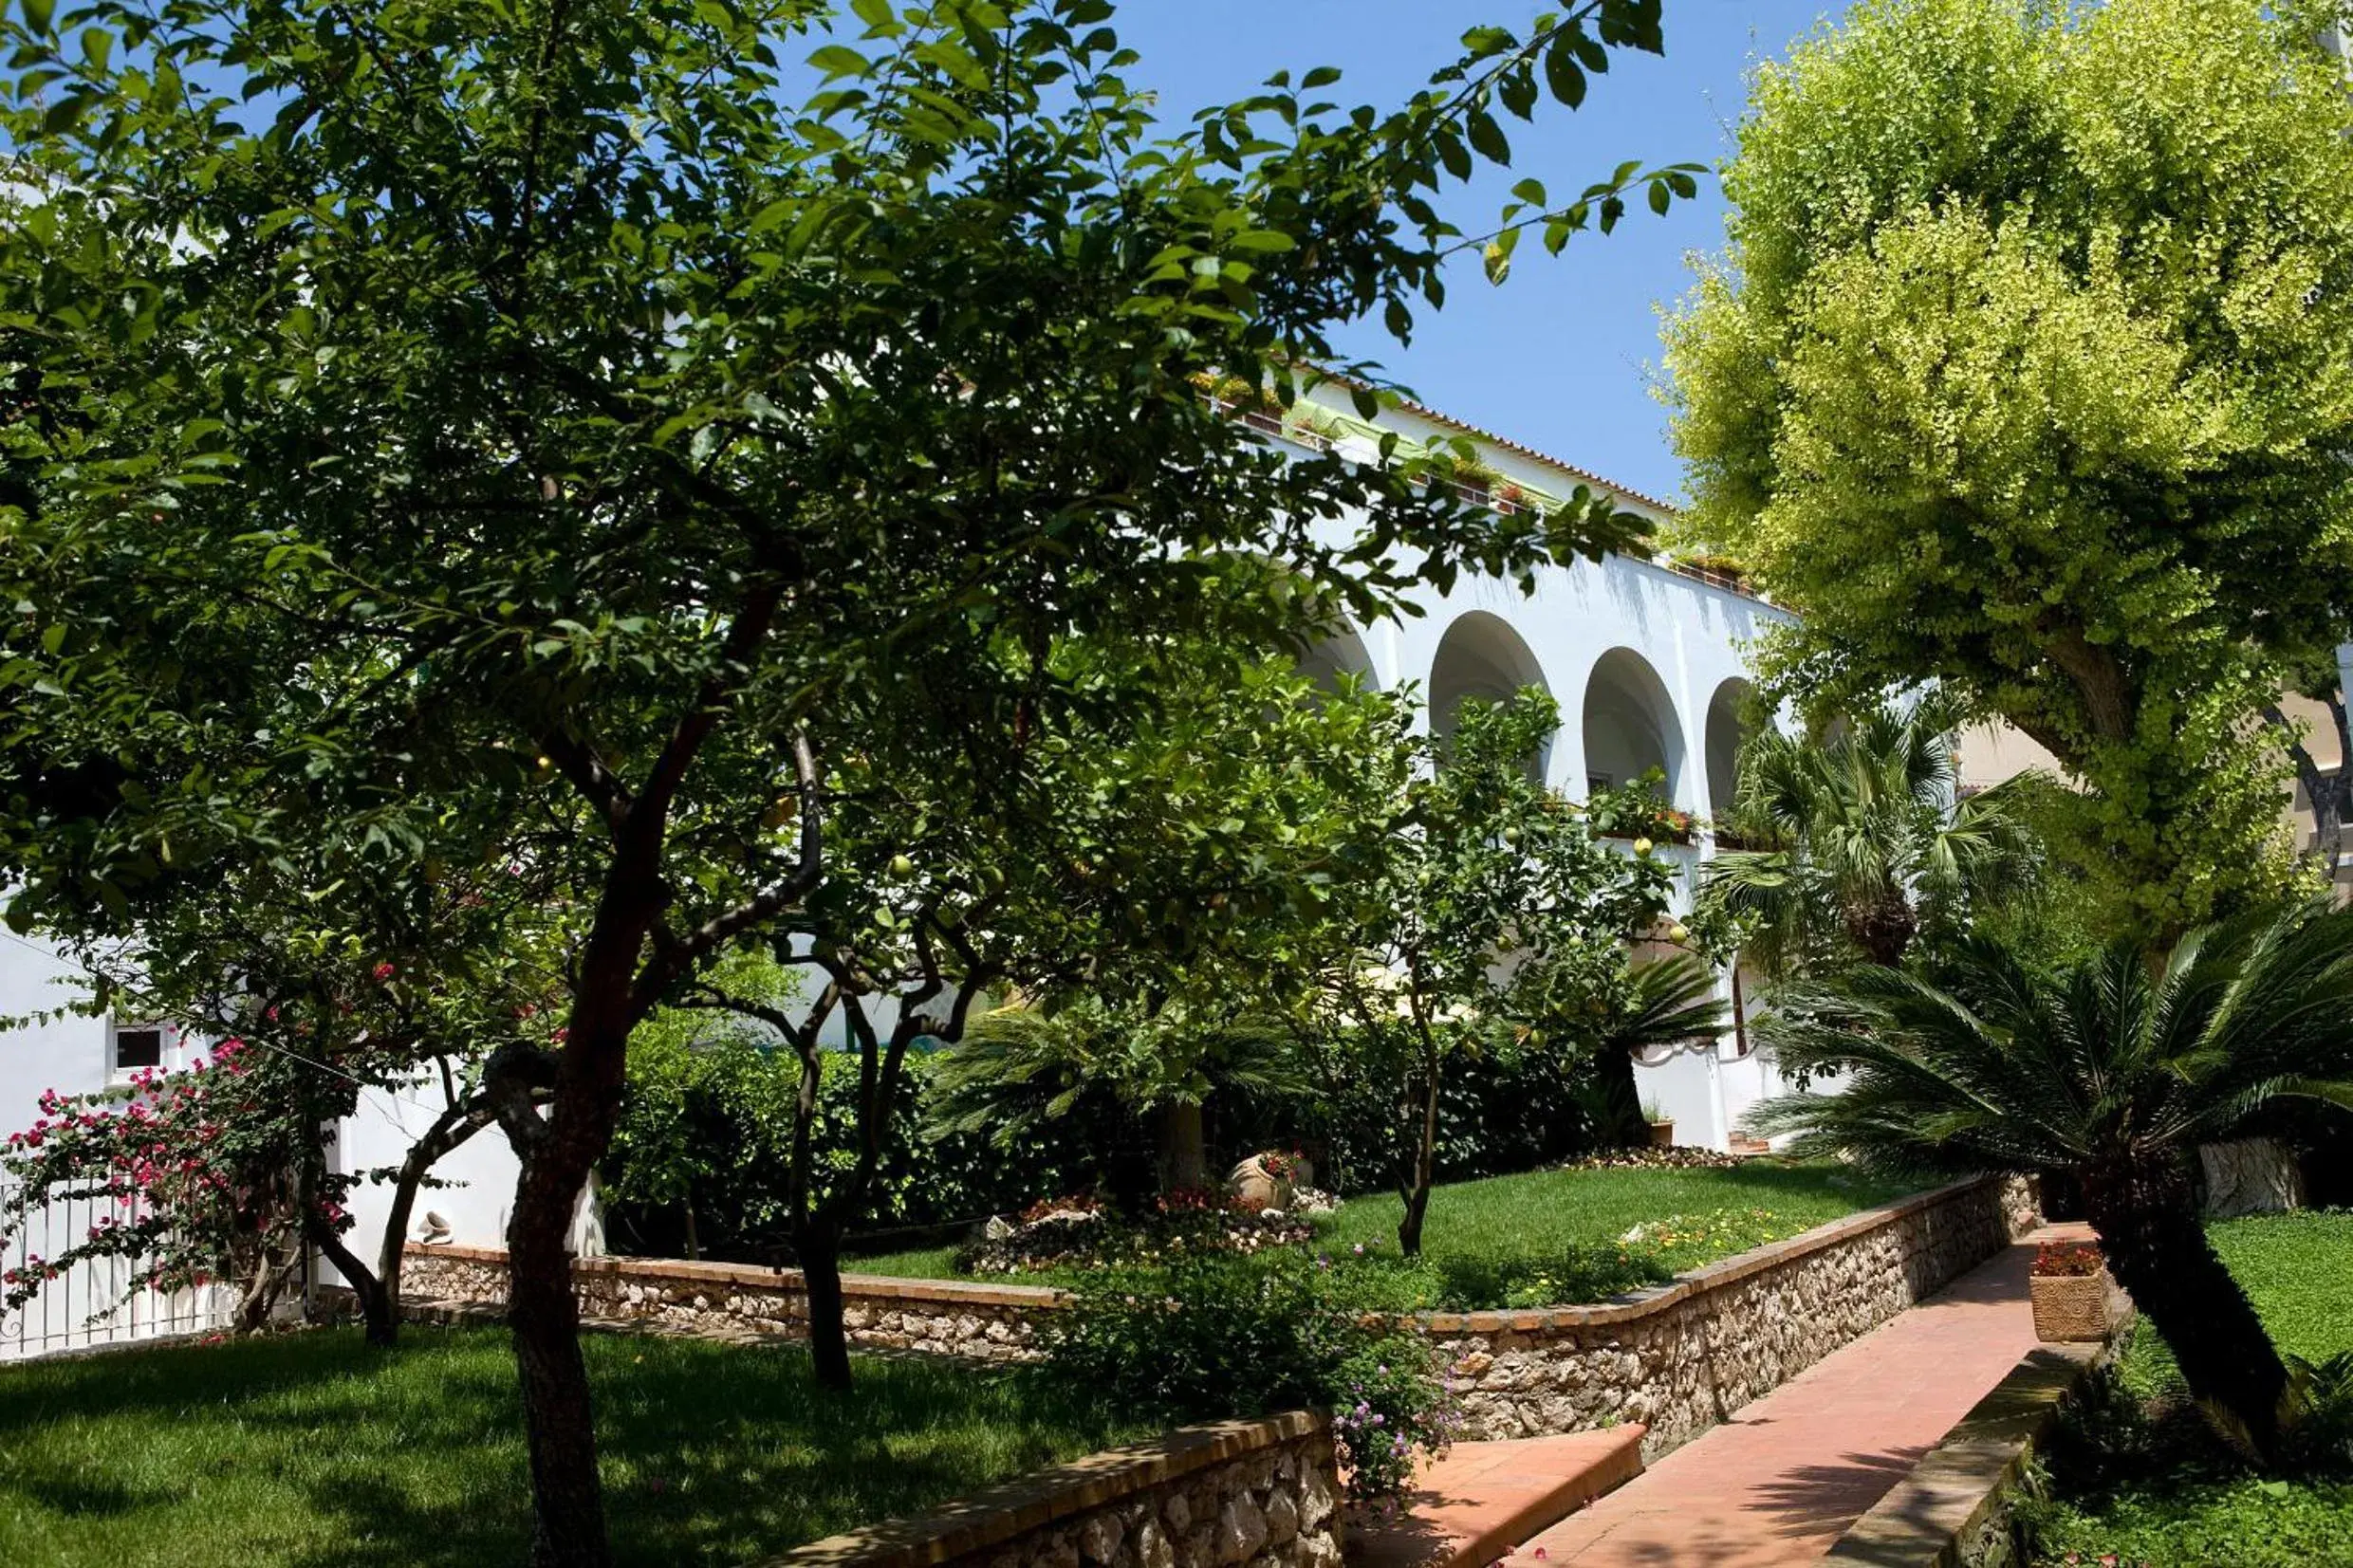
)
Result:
{"points": [[1670, 1002], [1858, 839], [1021, 1066], [2111, 1072]]}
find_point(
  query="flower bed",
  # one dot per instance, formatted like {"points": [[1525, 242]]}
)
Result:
{"points": [[1066, 1236]]}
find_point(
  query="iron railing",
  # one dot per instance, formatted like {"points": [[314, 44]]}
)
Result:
{"points": [[94, 1302]]}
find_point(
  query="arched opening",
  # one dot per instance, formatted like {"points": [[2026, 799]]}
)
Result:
{"points": [[1482, 656], [1630, 725], [1727, 730], [1340, 655]]}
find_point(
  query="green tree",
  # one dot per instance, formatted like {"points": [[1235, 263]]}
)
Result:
{"points": [[2111, 1072], [2028, 368], [1486, 911], [544, 407], [1663, 1002], [1856, 837], [1022, 1067]]}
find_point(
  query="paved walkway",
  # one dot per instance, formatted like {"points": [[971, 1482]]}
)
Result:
{"points": [[1777, 1483]]}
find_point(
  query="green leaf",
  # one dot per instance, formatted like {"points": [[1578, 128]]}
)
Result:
{"points": [[1452, 153], [1487, 137], [1563, 74], [37, 15], [838, 60]]}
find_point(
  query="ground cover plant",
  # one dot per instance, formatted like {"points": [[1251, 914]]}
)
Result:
{"points": [[1549, 1237], [306, 1450], [2142, 1476]]}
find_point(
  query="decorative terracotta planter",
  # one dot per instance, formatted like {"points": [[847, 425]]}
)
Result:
{"points": [[2078, 1308], [1663, 1134]]}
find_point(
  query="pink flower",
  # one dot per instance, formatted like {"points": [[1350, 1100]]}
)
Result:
{"points": [[383, 971]]}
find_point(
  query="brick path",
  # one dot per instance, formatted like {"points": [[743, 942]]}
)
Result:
{"points": [[1778, 1483]]}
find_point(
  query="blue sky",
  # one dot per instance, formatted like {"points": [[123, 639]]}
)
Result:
{"points": [[1563, 356]]}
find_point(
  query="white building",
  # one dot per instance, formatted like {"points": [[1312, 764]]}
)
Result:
{"points": [[1649, 662]]}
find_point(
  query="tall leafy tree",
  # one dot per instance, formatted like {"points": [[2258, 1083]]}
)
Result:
{"points": [[1855, 837], [547, 406], [2028, 367], [2111, 1072], [1486, 911]]}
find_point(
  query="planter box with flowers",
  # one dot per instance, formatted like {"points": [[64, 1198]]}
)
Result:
{"points": [[2076, 1298]]}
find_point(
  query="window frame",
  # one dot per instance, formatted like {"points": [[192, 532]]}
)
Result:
{"points": [[118, 1071]]}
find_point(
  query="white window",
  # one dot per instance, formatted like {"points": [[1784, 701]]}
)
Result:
{"points": [[137, 1045]]}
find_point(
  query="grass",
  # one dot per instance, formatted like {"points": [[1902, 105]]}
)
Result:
{"points": [[308, 1450], [2151, 1486], [1549, 1237]]}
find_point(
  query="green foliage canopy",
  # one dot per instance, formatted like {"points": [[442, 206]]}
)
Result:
{"points": [[2028, 368]]}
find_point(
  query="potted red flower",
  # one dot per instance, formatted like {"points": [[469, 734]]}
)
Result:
{"points": [[2076, 1298]]}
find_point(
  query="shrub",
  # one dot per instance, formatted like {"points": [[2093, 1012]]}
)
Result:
{"points": [[706, 1128], [1206, 1337], [1519, 1111]]}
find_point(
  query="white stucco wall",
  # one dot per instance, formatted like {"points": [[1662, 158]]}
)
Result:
{"points": [[1651, 651]]}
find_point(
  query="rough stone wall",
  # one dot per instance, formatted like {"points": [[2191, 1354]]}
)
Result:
{"points": [[1678, 1358], [1682, 1357], [1237, 1494], [979, 1323]]}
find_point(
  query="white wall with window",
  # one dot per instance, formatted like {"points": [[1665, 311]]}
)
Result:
{"points": [[52, 1040]]}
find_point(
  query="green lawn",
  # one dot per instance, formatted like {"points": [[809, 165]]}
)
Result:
{"points": [[2161, 1491], [1556, 1236], [308, 1449]]}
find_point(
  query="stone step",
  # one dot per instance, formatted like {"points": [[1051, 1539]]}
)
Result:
{"points": [[1469, 1510]]}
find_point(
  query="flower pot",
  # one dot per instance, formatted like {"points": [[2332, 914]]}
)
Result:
{"points": [[1663, 1134], [2079, 1309]]}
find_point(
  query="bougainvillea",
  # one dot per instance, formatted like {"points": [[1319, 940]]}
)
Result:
{"points": [[197, 1177]]}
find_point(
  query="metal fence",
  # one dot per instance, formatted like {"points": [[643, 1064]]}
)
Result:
{"points": [[92, 1303]]}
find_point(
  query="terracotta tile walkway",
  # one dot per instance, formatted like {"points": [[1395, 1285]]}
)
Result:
{"points": [[1777, 1483], [1482, 1498]]}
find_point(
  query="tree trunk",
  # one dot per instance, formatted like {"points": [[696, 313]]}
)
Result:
{"points": [[2146, 1215], [1425, 1165], [1183, 1163], [379, 1310], [1620, 1125], [1882, 927], [818, 1248], [568, 1501], [451, 1127]]}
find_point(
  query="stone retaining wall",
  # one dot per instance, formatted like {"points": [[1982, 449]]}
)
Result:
{"points": [[1234, 1494], [978, 1321], [1683, 1357], [1680, 1358]]}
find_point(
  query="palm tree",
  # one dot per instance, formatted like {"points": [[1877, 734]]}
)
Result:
{"points": [[1858, 839], [2111, 1071], [1670, 1002], [1021, 1066]]}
